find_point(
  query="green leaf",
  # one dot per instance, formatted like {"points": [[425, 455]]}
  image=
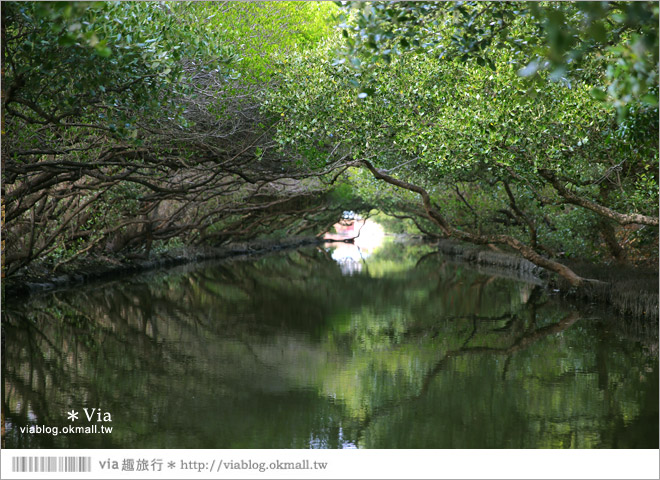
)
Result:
{"points": [[67, 40], [598, 94], [103, 50]]}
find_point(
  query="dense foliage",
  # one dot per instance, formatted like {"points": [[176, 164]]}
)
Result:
{"points": [[561, 38], [523, 126], [127, 124], [544, 167]]}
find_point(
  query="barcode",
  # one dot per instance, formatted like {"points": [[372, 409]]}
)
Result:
{"points": [[51, 464]]}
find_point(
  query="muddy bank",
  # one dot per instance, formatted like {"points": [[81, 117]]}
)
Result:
{"points": [[630, 291], [488, 258], [37, 279]]}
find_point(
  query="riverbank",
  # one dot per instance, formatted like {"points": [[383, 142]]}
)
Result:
{"points": [[482, 256], [629, 290], [38, 279]]}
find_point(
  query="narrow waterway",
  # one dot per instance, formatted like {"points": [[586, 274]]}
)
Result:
{"points": [[337, 347]]}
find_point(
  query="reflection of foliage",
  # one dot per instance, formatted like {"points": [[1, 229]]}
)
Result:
{"points": [[559, 405], [284, 351]]}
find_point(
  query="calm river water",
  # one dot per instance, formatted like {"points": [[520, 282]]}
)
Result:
{"points": [[323, 348]]}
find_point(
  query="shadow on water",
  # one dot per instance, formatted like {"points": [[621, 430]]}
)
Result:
{"points": [[291, 351]]}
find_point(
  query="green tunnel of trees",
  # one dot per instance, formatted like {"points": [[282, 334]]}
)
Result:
{"points": [[132, 127]]}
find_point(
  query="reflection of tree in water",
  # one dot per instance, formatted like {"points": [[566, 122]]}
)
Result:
{"points": [[520, 342], [286, 351], [488, 412]]}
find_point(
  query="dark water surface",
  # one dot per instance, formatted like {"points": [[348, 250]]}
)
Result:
{"points": [[296, 350]]}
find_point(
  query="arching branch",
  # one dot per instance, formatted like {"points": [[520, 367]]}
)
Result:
{"points": [[525, 250], [573, 198]]}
